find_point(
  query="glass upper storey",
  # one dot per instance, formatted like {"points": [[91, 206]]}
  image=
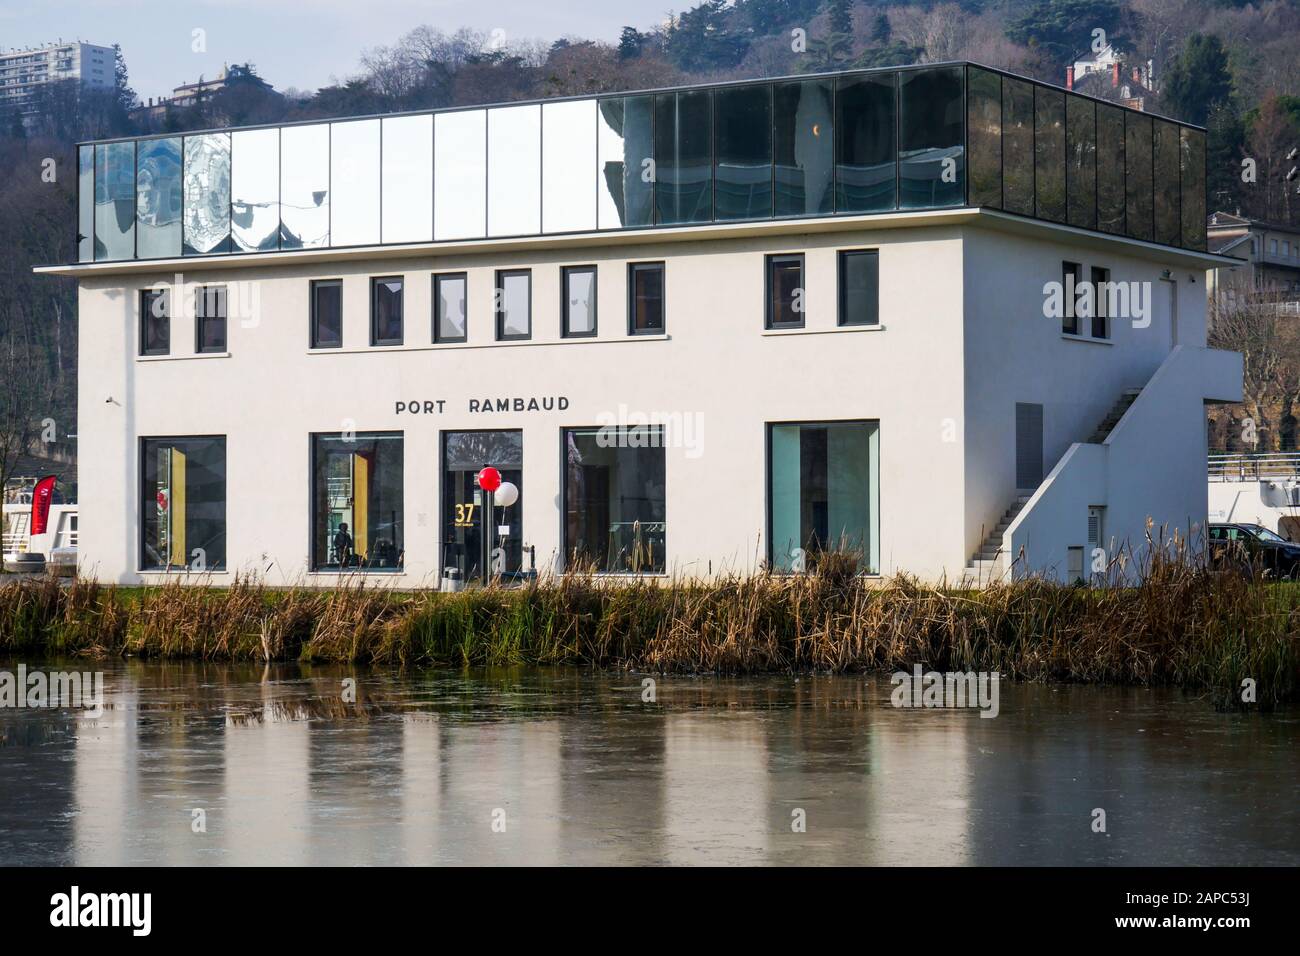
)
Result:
{"points": [[856, 143]]}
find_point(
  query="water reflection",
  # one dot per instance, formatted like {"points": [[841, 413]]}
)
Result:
{"points": [[290, 767]]}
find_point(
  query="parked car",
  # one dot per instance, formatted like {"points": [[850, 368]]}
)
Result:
{"points": [[1255, 545]]}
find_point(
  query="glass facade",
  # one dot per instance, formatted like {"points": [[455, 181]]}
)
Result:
{"points": [[853, 143], [823, 493], [615, 499], [357, 504], [183, 504]]}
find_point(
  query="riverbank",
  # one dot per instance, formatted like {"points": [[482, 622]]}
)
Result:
{"points": [[1202, 631]]}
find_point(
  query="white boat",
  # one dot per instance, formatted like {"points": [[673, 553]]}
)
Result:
{"points": [[55, 548], [1262, 489]]}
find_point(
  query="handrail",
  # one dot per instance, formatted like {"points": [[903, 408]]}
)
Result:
{"points": [[1253, 467]]}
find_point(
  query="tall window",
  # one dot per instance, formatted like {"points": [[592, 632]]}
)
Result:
{"points": [[155, 321], [327, 314], [514, 304], [578, 308], [1071, 289], [210, 318], [859, 275], [614, 499], [1100, 315], [785, 294], [449, 307], [824, 493], [357, 504], [645, 289], [386, 311], [183, 504]]}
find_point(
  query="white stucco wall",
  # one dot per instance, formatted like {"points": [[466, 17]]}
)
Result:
{"points": [[270, 392]]}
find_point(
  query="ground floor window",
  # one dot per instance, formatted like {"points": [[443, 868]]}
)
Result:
{"points": [[464, 455], [614, 508], [183, 504], [823, 493], [357, 502]]}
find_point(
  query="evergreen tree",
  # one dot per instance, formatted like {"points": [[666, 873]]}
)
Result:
{"points": [[629, 43], [841, 16], [1198, 79], [881, 32]]}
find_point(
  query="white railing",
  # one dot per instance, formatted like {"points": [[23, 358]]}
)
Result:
{"points": [[1276, 464]]}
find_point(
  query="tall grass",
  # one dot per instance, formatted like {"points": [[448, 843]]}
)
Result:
{"points": [[1195, 628]]}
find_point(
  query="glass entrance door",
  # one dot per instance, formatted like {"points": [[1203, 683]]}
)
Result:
{"points": [[464, 454]]}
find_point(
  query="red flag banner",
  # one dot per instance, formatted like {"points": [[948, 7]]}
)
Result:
{"points": [[42, 495]]}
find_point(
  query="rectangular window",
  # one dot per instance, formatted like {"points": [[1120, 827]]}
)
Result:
{"points": [[859, 281], [327, 314], [357, 503], [865, 157], [614, 499], [683, 156], [155, 321], [514, 305], [931, 137], [450, 307], [578, 307], [645, 289], [1100, 313], [210, 318], [183, 504], [386, 311], [823, 494], [802, 148], [785, 298], [1071, 288]]}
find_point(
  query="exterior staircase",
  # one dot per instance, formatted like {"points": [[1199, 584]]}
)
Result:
{"points": [[1127, 398], [987, 564]]}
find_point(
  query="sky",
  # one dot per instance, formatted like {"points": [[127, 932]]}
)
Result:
{"points": [[304, 44]]}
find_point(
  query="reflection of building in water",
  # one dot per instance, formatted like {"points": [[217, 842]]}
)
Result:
{"points": [[107, 780], [921, 788], [715, 788]]}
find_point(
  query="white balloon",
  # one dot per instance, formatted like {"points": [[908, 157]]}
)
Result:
{"points": [[506, 495]]}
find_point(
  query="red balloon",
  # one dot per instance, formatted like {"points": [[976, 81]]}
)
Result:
{"points": [[489, 479]]}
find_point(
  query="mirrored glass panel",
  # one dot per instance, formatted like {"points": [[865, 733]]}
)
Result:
{"points": [[1017, 146], [115, 201], [255, 189], [683, 157], [984, 137], [305, 186], [158, 198], [514, 171], [569, 166], [1192, 171], [460, 175], [865, 160], [1049, 154], [625, 178], [354, 183], [407, 186], [803, 143], [1110, 169], [742, 171], [1081, 161], [85, 203], [207, 194], [931, 132], [1138, 198], [1168, 229]]}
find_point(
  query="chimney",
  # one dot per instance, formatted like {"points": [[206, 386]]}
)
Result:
{"points": [[1114, 74], [1069, 77]]}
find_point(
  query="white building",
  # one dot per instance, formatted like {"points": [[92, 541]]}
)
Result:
{"points": [[22, 72], [827, 297]]}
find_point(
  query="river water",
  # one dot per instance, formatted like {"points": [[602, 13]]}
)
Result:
{"points": [[245, 764]]}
